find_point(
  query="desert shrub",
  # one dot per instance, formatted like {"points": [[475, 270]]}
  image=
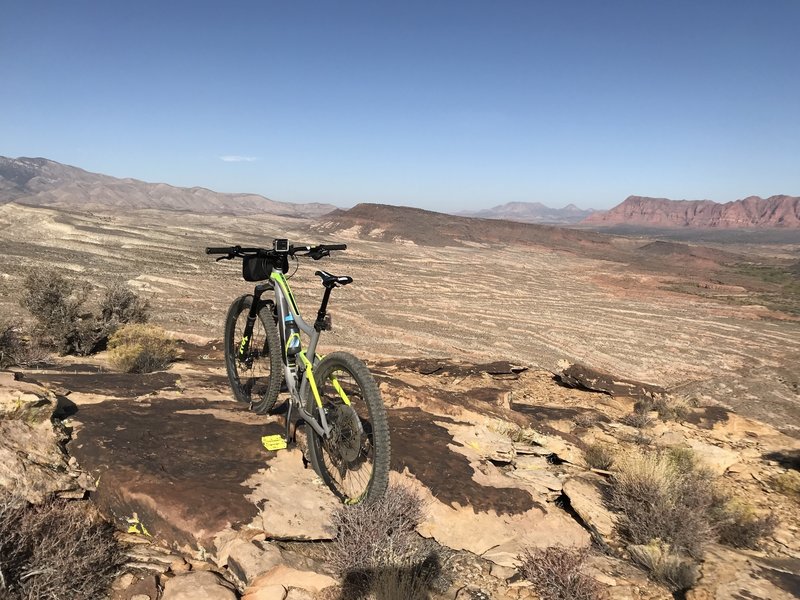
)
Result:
{"points": [[739, 526], [121, 305], [599, 456], [11, 345], [556, 574], [587, 419], [17, 348], [665, 565], [670, 508], [683, 459], [141, 349], [655, 500], [788, 483], [669, 408], [57, 549], [377, 548], [638, 419], [57, 305]]}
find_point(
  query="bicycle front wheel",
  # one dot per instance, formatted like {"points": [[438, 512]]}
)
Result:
{"points": [[256, 373], [354, 460]]}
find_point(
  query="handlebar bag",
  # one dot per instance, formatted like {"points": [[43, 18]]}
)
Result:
{"points": [[256, 268]]}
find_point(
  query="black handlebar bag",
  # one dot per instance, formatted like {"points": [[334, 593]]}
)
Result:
{"points": [[256, 268]]}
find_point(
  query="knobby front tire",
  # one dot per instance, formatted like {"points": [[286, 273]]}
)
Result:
{"points": [[257, 379], [354, 461]]}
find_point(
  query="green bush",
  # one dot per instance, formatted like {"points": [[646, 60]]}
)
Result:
{"points": [[141, 349]]}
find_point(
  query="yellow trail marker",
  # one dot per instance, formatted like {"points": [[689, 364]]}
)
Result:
{"points": [[274, 442]]}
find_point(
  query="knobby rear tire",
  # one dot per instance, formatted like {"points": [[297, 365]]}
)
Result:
{"points": [[363, 466], [260, 384]]}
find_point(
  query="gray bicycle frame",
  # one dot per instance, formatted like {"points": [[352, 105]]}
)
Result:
{"points": [[284, 308]]}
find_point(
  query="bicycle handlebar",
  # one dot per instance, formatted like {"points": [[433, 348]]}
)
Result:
{"points": [[315, 252]]}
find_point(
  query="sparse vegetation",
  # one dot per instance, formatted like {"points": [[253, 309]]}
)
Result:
{"points": [[141, 349], [638, 419], [58, 305], [670, 508], [739, 526], [122, 305], [17, 349], [788, 483], [377, 548], [669, 408], [587, 419], [58, 549], [10, 345], [665, 565], [599, 456], [556, 574]]}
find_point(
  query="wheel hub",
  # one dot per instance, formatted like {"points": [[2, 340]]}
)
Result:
{"points": [[346, 432]]}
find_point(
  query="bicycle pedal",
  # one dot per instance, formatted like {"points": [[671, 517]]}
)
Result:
{"points": [[274, 443]]}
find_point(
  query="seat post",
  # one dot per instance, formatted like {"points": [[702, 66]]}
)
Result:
{"points": [[320, 323]]}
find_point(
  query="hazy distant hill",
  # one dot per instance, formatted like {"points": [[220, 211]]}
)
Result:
{"points": [[775, 211], [43, 182], [532, 212], [424, 227]]}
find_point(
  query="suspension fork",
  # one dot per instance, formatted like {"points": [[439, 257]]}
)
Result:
{"points": [[247, 336]]}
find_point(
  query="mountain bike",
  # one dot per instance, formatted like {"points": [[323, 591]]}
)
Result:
{"points": [[335, 395]]}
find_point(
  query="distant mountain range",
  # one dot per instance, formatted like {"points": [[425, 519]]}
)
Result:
{"points": [[43, 182], [532, 212], [751, 212]]}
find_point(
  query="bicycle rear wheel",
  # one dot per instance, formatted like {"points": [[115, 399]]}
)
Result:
{"points": [[354, 460], [256, 375]]}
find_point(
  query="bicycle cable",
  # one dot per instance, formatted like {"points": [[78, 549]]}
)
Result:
{"points": [[296, 266]]}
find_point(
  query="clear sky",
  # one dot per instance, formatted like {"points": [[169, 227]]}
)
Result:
{"points": [[443, 105]]}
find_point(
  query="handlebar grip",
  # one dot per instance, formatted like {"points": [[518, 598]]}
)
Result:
{"points": [[227, 250], [335, 246]]}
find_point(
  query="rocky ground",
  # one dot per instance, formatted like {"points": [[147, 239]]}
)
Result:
{"points": [[464, 340], [495, 450]]}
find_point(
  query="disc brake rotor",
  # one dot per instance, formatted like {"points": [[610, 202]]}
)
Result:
{"points": [[347, 433]]}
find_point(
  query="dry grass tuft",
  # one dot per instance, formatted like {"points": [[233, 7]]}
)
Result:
{"points": [[739, 526], [670, 508], [788, 483], [58, 549], [665, 565], [656, 500], [141, 349], [638, 419], [599, 456], [556, 574]]}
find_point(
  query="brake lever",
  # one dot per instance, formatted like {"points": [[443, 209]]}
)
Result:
{"points": [[319, 254], [229, 257]]}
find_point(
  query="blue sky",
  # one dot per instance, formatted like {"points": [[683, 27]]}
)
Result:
{"points": [[442, 105]]}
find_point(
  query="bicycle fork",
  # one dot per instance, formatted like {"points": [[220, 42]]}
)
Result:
{"points": [[247, 336]]}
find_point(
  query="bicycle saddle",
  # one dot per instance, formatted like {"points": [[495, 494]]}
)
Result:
{"points": [[331, 281]]}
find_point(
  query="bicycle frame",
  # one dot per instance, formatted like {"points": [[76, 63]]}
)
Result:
{"points": [[299, 377]]}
